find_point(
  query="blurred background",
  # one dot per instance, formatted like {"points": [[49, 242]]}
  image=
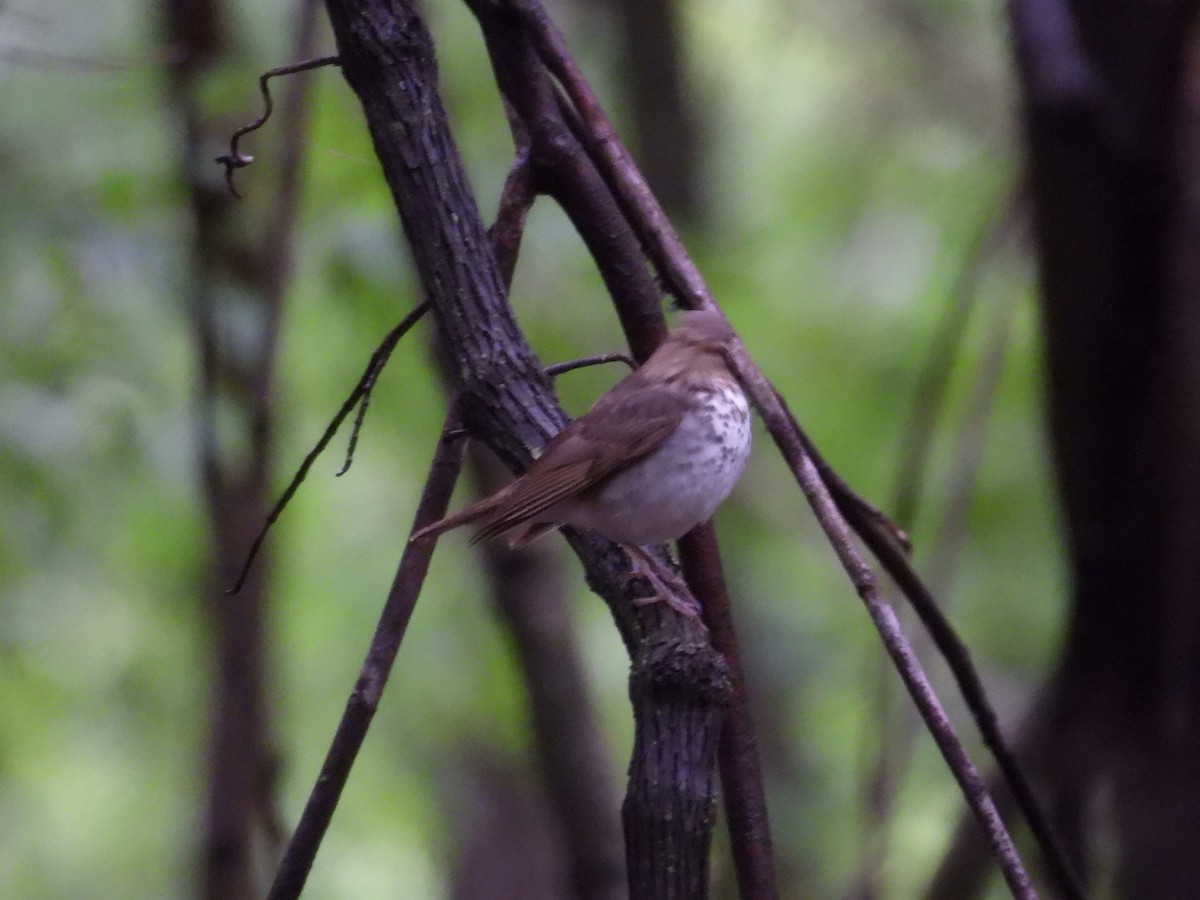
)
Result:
{"points": [[845, 175]]}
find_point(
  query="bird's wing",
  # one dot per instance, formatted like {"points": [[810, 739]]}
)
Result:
{"points": [[626, 424]]}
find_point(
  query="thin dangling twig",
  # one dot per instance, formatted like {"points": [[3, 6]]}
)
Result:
{"points": [[235, 159]]}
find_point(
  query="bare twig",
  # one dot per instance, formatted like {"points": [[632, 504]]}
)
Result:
{"points": [[642, 210], [235, 159], [563, 169], [366, 385], [516, 199], [599, 359], [376, 668], [361, 390], [570, 365], [380, 358]]}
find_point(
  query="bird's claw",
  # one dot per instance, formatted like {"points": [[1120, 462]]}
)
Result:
{"points": [[668, 587]]}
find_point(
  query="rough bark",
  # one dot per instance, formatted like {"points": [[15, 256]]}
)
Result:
{"points": [[678, 684]]}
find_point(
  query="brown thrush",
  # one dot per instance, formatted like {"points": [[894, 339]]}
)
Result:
{"points": [[653, 457]]}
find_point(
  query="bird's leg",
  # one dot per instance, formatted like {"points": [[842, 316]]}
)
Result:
{"points": [[667, 586]]}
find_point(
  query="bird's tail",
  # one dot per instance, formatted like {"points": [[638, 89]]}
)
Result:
{"points": [[472, 513]]}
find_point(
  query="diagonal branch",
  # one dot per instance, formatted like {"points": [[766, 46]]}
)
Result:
{"points": [[361, 393], [837, 529], [364, 700]]}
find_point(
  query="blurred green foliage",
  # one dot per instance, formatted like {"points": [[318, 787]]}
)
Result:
{"points": [[856, 150]]}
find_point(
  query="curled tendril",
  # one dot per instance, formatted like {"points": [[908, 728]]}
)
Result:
{"points": [[235, 159]]}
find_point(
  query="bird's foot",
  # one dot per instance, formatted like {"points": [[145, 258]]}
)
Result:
{"points": [[668, 587]]}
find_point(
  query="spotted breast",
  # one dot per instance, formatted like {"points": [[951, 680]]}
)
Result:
{"points": [[681, 484]]}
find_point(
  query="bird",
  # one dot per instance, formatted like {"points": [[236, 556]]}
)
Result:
{"points": [[653, 457]]}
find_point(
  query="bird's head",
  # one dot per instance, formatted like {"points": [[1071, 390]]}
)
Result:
{"points": [[702, 329], [695, 349]]}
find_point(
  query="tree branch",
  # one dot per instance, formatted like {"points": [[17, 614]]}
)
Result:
{"points": [[376, 668], [741, 772], [837, 529]]}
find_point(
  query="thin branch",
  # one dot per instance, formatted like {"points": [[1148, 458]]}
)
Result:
{"points": [[897, 564], [366, 385], [378, 359], [643, 211], [894, 749], [599, 359], [516, 199], [376, 668], [235, 159], [837, 530], [277, 241], [737, 758], [564, 170]]}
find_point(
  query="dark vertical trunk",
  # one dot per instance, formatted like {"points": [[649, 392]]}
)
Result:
{"points": [[241, 830], [1111, 127]]}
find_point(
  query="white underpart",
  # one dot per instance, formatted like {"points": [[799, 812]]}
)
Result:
{"points": [[682, 483]]}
